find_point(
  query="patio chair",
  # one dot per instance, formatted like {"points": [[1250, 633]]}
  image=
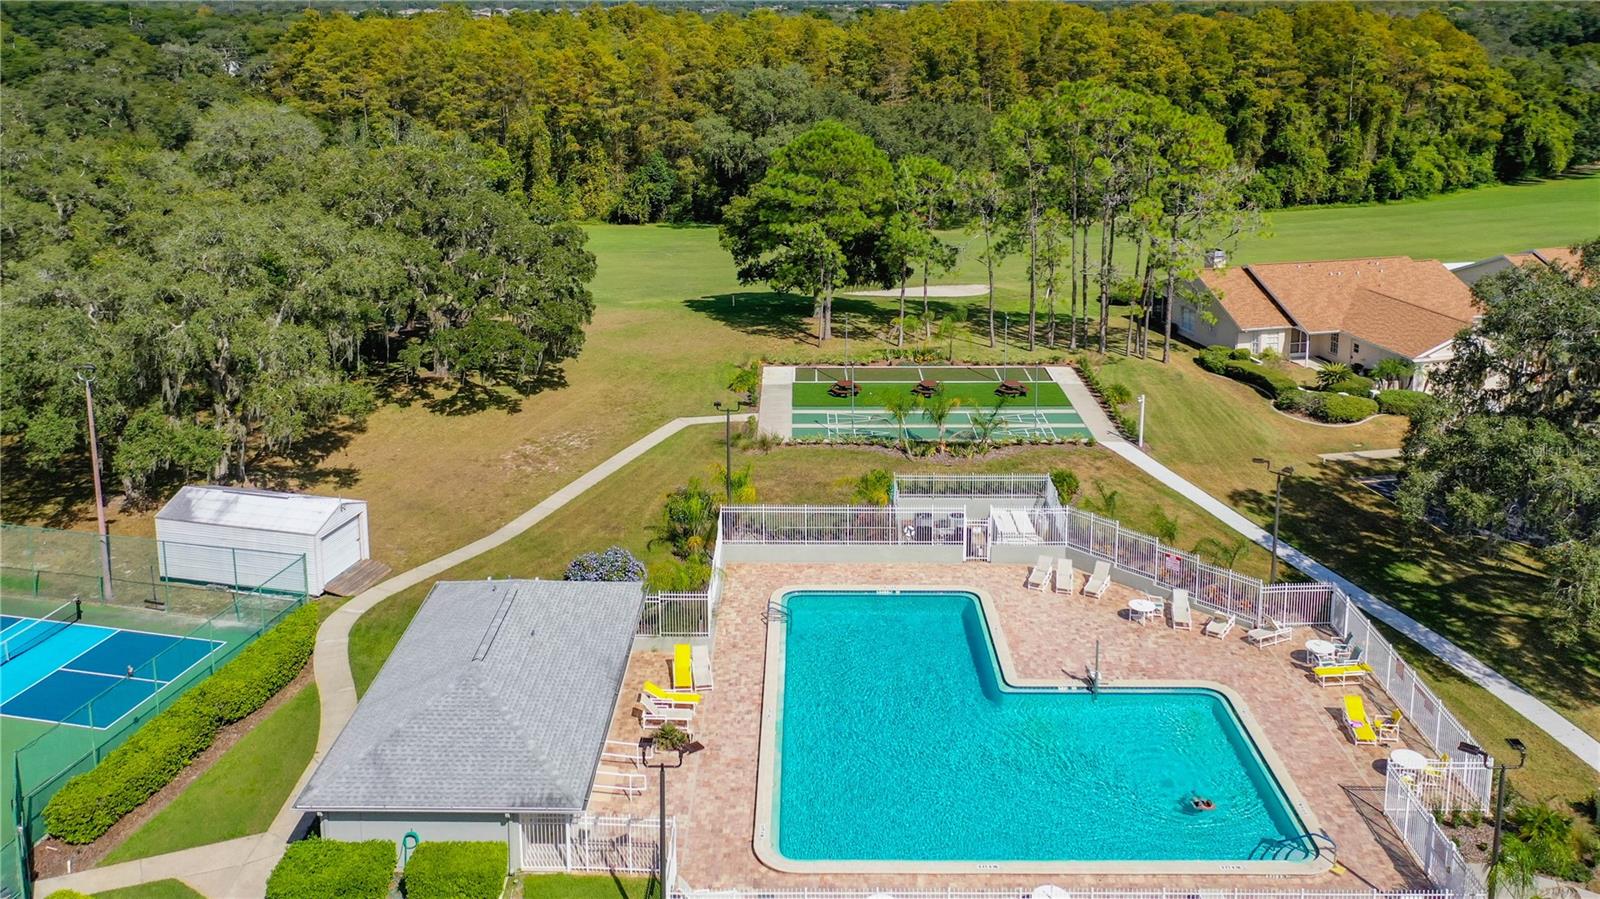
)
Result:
{"points": [[1389, 727], [1333, 675], [1181, 616], [1063, 582], [1039, 574], [1355, 719], [682, 667], [1267, 636], [700, 668], [1220, 627], [672, 699], [1099, 580], [656, 714]]}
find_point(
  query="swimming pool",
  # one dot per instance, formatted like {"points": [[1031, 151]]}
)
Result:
{"points": [[898, 744]]}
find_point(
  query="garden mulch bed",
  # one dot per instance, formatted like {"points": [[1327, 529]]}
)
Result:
{"points": [[52, 857]]}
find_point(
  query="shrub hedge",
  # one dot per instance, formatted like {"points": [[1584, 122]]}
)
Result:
{"points": [[68, 894], [91, 802], [1402, 402], [1355, 385], [1306, 402], [333, 869], [456, 870], [1127, 424], [1340, 409], [1213, 358], [1273, 383]]}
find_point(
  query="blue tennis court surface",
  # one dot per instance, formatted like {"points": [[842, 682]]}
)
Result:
{"points": [[55, 679]]}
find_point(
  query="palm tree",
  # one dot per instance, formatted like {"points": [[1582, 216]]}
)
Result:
{"points": [[1332, 373], [938, 408], [1108, 501], [950, 327], [744, 488], [688, 522], [1393, 370], [900, 406], [1220, 553], [984, 424], [872, 488]]}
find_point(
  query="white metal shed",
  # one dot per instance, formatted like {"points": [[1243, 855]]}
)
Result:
{"points": [[236, 536]]}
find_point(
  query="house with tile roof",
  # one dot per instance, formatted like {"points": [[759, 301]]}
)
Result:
{"points": [[1354, 311]]}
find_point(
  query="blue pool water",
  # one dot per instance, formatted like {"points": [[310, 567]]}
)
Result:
{"points": [[900, 743]]}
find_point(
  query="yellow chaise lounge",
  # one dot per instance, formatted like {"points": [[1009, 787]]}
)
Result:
{"points": [[668, 698], [1355, 718], [691, 669], [1341, 674]]}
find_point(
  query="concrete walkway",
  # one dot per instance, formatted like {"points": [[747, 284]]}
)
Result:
{"points": [[1362, 455], [1550, 721], [238, 869]]}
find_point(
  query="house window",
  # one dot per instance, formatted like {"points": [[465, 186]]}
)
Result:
{"points": [[1297, 343], [1355, 348], [1333, 344]]}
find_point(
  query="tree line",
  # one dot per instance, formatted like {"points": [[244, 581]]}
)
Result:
{"points": [[1068, 175], [236, 272], [641, 114]]}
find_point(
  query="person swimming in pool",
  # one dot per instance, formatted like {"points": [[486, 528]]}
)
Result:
{"points": [[1200, 803]]}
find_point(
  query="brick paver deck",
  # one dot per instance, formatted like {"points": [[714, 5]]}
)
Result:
{"points": [[1050, 636]]}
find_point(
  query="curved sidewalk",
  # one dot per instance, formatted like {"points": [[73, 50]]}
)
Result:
{"points": [[1527, 705], [238, 869]]}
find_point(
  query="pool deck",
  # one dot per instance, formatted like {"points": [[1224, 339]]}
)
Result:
{"points": [[1050, 636]]}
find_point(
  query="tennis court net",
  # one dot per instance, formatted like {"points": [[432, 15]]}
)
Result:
{"points": [[28, 633]]}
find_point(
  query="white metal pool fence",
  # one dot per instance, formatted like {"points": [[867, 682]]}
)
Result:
{"points": [[990, 486], [954, 893], [683, 614], [847, 525], [1438, 854], [596, 843]]}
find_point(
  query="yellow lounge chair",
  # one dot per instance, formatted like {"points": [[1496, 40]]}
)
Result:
{"points": [[1355, 718], [669, 698], [682, 667], [1341, 674]]}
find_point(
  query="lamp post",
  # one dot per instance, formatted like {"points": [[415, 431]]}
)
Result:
{"points": [[1005, 338], [1141, 421], [1277, 510], [85, 375], [684, 749], [1521, 750], [727, 442]]}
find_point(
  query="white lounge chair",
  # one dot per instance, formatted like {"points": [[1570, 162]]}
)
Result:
{"points": [[1267, 636], [1220, 627], [1064, 576], [1181, 616], [700, 666], [1039, 574], [1099, 580], [657, 714]]}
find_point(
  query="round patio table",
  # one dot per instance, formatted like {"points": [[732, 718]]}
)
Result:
{"points": [[1142, 609], [1408, 759], [1321, 650], [1049, 891]]}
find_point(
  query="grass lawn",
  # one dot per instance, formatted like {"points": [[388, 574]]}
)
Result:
{"points": [[586, 886], [157, 889], [617, 510], [1208, 429], [242, 792]]}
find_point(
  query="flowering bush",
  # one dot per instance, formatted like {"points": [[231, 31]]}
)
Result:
{"points": [[614, 564]]}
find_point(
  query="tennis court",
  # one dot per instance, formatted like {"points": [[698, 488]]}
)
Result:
{"points": [[1009, 402], [54, 665]]}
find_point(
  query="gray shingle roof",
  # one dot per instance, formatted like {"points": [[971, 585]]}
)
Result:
{"points": [[498, 697]]}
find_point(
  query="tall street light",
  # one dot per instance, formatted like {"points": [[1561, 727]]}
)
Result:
{"points": [[684, 748], [85, 375], [727, 411], [1277, 509], [1499, 798]]}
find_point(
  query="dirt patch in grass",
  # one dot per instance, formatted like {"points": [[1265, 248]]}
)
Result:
{"points": [[52, 857]]}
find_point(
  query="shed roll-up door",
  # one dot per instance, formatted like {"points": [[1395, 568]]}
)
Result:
{"points": [[341, 548]]}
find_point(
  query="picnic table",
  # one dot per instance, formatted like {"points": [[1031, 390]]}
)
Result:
{"points": [[926, 387], [844, 388], [1011, 388]]}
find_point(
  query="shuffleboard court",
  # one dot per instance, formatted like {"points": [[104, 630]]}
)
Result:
{"points": [[991, 402]]}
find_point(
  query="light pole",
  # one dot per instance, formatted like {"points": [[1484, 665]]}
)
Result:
{"points": [[1005, 339], [683, 748], [85, 374], [1277, 510], [1499, 797], [727, 442], [1141, 421]]}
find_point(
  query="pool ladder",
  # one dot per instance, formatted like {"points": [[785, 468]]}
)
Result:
{"points": [[776, 611], [1278, 850]]}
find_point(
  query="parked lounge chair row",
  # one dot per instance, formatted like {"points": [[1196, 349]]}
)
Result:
{"points": [[1366, 732], [691, 673]]}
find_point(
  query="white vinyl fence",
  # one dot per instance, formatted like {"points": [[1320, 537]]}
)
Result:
{"points": [[683, 614], [596, 843], [1428, 842]]}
